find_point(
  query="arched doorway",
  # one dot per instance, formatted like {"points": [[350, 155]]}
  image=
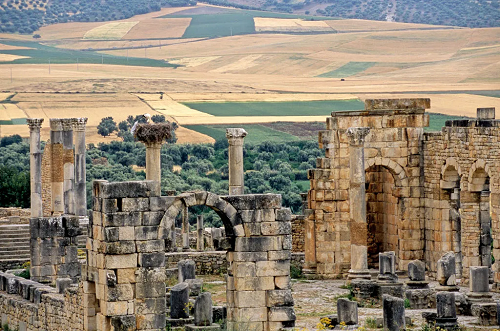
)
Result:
{"points": [[450, 191], [382, 213]]}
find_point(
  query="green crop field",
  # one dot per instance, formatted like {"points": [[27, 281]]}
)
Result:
{"points": [[348, 69], [287, 108], [227, 22], [437, 121], [42, 54], [256, 133]]}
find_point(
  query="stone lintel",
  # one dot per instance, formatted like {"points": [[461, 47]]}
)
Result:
{"points": [[398, 104], [79, 123], [357, 135], [34, 123]]}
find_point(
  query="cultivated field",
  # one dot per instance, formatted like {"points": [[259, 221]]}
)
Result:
{"points": [[214, 67]]}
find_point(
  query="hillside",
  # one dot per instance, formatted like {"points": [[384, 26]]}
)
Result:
{"points": [[27, 16]]}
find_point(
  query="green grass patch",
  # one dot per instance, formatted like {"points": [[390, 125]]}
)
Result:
{"points": [[42, 54], [256, 133], [349, 69], [14, 121], [305, 185], [437, 121], [219, 25], [287, 108]]}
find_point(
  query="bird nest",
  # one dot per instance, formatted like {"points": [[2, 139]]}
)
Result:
{"points": [[153, 133]]}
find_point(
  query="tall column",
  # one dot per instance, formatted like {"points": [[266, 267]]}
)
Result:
{"points": [[79, 164], [235, 138], [69, 167], [185, 228], [485, 228], [200, 242], [57, 171], [357, 204], [153, 163], [35, 166]]}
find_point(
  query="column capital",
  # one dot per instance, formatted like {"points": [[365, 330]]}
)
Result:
{"points": [[56, 124], [34, 123], [235, 134], [357, 135], [67, 124], [79, 123]]}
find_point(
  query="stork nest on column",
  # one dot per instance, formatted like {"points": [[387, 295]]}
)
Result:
{"points": [[153, 133]]}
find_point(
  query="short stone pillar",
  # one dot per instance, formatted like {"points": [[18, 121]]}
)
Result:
{"points": [[69, 166], [446, 273], [35, 166], [393, 310], [200, 240], [79, 164], [179, 300], [153, 162], [187, 270], [54, 248], [347, 311], [446, 310], [387, 280], [418, 292], [57, 162], [203, 314], [486, 113], [483, 306], [357, 204], [235, 138]]}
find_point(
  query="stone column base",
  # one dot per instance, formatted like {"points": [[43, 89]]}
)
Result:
{"points": [[453, 288], [486, 313], [392, 289], [475, 297], [363, 288], [192, 327], [177, 322], [420, 298], [359, 274], [447, 323]]}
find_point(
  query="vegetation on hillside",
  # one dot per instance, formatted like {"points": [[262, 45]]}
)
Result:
{"points": [[27, 16]]}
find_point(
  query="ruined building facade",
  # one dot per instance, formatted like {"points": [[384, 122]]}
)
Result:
{"points": [[427, 193]]}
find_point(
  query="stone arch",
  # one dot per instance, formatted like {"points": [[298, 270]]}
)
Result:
{"points": [[451, 173], [479, 176], [224, 209], [384, 182], [399, 173]]}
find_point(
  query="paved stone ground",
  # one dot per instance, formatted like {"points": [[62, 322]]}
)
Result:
{"points": [[317, 298]]}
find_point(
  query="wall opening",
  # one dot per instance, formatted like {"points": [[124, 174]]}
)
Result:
{"points": [[381, 213]]}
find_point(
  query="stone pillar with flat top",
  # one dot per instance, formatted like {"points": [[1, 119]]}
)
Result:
{"points": [[357, 204], [35, 166], [79, 164], [235, 138], [153, 162], [57, 171]]}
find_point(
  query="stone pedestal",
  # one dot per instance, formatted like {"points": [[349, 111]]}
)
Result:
{"points": [[153, 163], [479, 285], [387, 267], [347, 311], [187, 269], [357, 204], [446, 273], [35, 166], [394, 313], [446, 317], [235, 138], [418, 292], [80, 170]]}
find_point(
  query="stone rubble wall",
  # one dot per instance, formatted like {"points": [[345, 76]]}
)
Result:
{"points": [[298, 233], [13, 215], [27, 305]]}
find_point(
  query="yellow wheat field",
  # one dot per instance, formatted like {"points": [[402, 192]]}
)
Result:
{"points": [[11, 57], [110, 31], [266, 24], [190, 62]]}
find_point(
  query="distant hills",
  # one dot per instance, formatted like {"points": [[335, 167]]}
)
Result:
{"points": [[27, 16]]}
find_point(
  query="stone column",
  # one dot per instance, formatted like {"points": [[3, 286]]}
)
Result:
{"points": [[80, 172], [153, 163], [69, 167], [200, 242], [235, 138], [57, 171], [485, 227], [357, 204], [35, 166], [185, 228]]}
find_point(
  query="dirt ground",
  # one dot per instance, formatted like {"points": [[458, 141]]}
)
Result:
{"points": [[318, 298]]}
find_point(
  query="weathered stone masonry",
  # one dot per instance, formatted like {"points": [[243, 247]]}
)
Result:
{"points": [[426, 193]]}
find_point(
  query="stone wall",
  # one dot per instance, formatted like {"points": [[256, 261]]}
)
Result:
{"points": [[27, 305], [298, 233], [14, 215]]}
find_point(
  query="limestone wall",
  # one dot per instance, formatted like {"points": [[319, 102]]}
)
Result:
{"points": [[298, 233], [14, 216], [27, 305], [462, 161]]}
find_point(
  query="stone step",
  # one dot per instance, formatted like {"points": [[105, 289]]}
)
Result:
{"points": [[15, 243], [5, 237]]}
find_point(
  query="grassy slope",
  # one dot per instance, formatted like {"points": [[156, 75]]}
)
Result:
{"points": [[347, 70], [291, 108], [256, 133]]}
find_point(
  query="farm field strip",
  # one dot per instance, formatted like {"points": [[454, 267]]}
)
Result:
{"points": [[267, 24], [349, 69], [110, 31], [160, 28], [173, 108]]}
